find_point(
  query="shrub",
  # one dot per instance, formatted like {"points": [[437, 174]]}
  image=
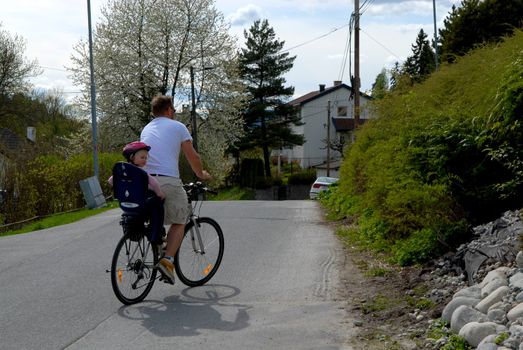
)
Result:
{"points": [[50, 184], [439, 158], [304, 177]]}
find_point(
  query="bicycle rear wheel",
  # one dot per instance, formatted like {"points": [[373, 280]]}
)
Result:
{"points": [[133, 269], [195, 265]]}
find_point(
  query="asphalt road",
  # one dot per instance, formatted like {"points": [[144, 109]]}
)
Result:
{"points": [[277, 287]]}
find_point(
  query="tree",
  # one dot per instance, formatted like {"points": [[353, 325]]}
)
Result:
{"points": [[267, 118], [381, 85], [14, 67], [395, 76], [476, 22], [146, 47], [56, 122], [421, 64]]}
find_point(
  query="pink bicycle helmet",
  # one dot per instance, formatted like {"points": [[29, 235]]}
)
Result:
{"points": [[131, 148]]}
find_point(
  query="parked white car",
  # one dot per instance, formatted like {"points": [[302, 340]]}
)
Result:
{"points": [[321, 184]]}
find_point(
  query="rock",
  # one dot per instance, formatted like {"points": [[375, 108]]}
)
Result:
{"points": [[519, 297], [470, 292], [515, 312], [493, 285], [497, 315], [516, 281], [498, 305], [487, 342], [446, 314], [493, 298], [519, 260], [481, 313], [465, 314], [475, 332], [487, 346], [497, 273], [516, 337]]}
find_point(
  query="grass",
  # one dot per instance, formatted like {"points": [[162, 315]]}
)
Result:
{"points": [[233, 193], [378, 303], [60, 219]]}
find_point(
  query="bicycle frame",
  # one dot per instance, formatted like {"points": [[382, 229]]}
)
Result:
{"points": [[195, 229]]}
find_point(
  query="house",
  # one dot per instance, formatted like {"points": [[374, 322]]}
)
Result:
{"points": [[13, 147], [322, 123]]}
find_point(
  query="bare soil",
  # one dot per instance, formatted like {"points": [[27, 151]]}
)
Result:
{"points": [[386, 303]]}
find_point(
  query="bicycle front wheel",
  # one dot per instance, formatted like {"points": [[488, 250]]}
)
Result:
{"points": [[133, 269], [200, 253]]}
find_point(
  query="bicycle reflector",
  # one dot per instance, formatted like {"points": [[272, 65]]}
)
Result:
{"points": [[120, 275], [207, 269]]}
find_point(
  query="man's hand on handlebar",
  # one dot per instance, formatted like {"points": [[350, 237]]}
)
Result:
{"points": [[205, 175]]}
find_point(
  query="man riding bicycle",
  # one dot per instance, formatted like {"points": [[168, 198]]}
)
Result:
{"points": [[167, 137]]}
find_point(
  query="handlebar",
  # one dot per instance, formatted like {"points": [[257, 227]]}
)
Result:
{"points": [[195, 188]]}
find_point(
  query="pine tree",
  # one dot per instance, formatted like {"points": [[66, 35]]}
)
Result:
{"points": [[267, 119], [476, 22], [381, 85], [421, 63]]}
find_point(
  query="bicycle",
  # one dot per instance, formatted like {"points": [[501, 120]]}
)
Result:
{"points": [[134, 264]]}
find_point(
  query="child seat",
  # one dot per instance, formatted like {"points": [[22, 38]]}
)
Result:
{"points": [[130, 185]]}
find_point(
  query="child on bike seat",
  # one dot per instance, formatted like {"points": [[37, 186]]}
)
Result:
{"points": [[136, 153]]}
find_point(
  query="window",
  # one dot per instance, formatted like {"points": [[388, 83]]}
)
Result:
{"points": [[342, 111]]}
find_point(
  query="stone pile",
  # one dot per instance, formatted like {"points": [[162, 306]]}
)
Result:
{"points": [[488, 313]]}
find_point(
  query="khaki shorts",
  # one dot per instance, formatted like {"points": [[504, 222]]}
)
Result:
{"points": [[176, 206]]}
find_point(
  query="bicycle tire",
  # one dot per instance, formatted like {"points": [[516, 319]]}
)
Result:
{"points": [[192, 267], [133, 269]]}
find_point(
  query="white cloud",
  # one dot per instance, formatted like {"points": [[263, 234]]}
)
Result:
{"points": [[244, 15]]}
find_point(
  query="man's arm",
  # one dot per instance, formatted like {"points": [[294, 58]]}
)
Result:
{"points": [[194, 160]]}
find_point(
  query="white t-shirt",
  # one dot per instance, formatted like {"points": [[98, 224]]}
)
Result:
{"points": [[165, 137]]}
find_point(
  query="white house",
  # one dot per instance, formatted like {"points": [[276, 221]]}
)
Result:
{"points": [[322, 123]]}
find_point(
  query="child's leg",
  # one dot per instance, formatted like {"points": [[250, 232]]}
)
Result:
{"points": [[155, 211]]}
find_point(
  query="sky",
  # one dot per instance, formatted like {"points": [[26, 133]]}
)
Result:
{"points": [[315, 31]]}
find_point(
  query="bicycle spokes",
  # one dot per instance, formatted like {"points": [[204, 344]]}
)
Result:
{"points": [[133, 272], [207, 269]]}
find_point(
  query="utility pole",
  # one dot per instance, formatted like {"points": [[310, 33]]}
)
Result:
{"points": [[435, 34], [93, 93], [356, 82], [328, 138], [193, 112]]}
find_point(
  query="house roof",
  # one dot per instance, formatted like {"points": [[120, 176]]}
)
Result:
{"points": [[334, 165], [317, 94], [10, 142]]}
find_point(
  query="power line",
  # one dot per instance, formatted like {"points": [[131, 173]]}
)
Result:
{"points": [[364, 7], [59, 69], [377, 42], [317, 38], [346, 52]]}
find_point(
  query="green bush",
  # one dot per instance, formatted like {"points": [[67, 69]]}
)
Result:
{"points": [[444, 156], [50, 184], [418, 247], [304, 177]]}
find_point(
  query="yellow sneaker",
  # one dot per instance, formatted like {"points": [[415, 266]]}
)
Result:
{"points": [[166, 267]]}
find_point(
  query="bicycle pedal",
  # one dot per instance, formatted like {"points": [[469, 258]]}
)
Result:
{"points": [[164, 278]]}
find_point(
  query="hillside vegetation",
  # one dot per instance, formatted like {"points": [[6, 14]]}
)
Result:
{"points": [[440, 157]]}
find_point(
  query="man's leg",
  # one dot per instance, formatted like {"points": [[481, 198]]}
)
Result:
{"points": [[174, 239]]}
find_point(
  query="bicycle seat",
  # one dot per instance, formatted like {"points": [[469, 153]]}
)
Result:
{"points": [[130, 187]]}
